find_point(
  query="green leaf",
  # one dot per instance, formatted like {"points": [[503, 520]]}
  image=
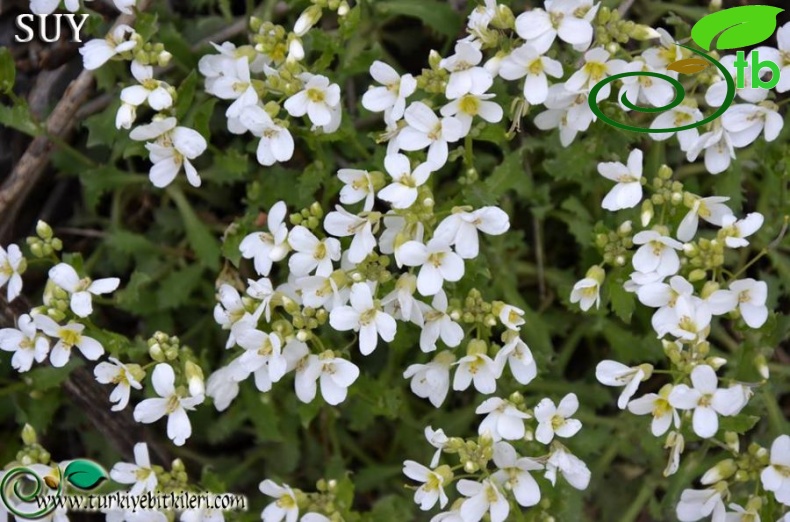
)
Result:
{"points": [[438, 15], [84, 474], [736, 27], [739, 424], [18, 117], [7, 70], [203, 242], [185, 95], [623, 303]]}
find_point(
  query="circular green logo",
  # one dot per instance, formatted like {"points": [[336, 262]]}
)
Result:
{"points": [[680, 95]]}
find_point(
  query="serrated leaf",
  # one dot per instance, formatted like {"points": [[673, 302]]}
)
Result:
{"points": [[177, 287], [18, 117], [739, 424], [84, 474], [736, 27]]}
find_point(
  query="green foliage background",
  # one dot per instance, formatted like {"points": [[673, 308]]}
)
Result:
{"points": [[171, 246]]}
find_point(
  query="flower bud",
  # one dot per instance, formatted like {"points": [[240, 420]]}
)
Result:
{"points": [[643, 32], [733, 441], [697, 275], [721, 471], [43, 230], [194, 374], [343, 9], [647, 213], [156, 353], [664, 172], [762, 366], [29, 436], [307, 19], [433, 59], [476, 347]]}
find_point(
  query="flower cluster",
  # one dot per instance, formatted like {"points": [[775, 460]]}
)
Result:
{"points": [[497, 461]]}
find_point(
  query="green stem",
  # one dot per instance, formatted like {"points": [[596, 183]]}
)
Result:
{"points": [[642, 498]]}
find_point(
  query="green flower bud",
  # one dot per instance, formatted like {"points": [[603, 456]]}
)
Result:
{"points": [[29, 436]]}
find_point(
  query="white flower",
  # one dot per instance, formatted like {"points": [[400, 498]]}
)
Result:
{"points": [[357, 185], [586, 292], [658, 406], [25, 342], [168, 403], [12, 264], [613, 373], [678, 117], [425, 129], [687, 320], [774, 477], [711, 209], [201, 515], [668, 53], [402, 192], [465, 74], [718, 147], [334, 373], [628, 191], [284, 508], [706, 399], [400, 302], [431, 381], [438, 324], [365, 317], [645, 89], [511, 317], [780, 56], [342, 223], [262, 357], [140, 473], [174, 147], [432, 489], [474, 103], [390, 98], [518, 356], [437, 261], [315, 517], [311, 254], [478, 368], [438, 440], [484, 497], [150, 90], [319, 291], [276, 142], [567, 111], [229, 310], [235, 84], [597, 66], [503, 420], [514, 474], [45, 7], [97, 52], [222, 387], [317, 100], [115, 372], [265, 248], [460, 229], [569, 465], [124, 5], [68, 336], [751, 296], [571, 20], [527, 61], [81, 290], [740, 514], [737, 229], [676, 444], [657, 253], [745, 122], [555, 420], [700, 503]]}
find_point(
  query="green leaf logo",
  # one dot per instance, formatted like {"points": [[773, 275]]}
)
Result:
{"points": [[736, 27], [84, 474]]}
